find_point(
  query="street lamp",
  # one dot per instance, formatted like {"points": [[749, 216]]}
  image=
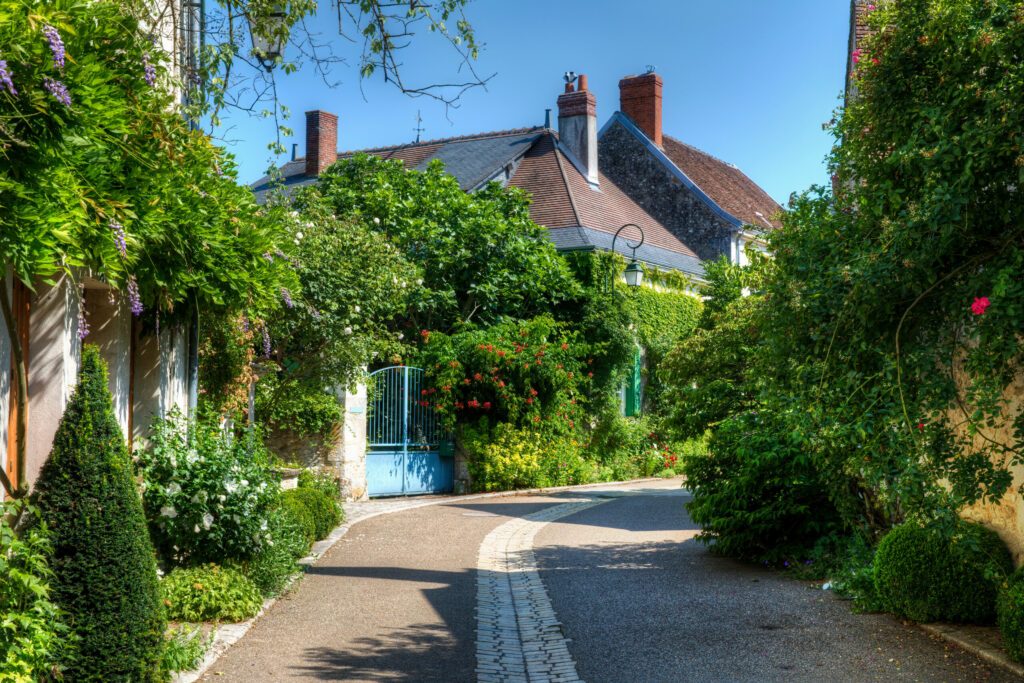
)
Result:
{"points": [[634, 273], [268, 36]]}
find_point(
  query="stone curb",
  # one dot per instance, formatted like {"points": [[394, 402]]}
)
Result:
{"points": [[968, 640], [227, 635]]}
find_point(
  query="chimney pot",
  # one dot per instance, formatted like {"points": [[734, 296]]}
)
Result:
{"points": [[582, 82], [321, 141], [640, 100]]}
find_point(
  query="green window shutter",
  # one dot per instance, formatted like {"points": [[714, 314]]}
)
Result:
{"points": [[634, 386]]}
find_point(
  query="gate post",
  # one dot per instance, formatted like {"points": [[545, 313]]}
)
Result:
{"points": [[349, 453]]}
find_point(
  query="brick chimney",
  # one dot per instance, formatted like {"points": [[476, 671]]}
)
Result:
{"points": [[640, 100], [321, 141], [577, 125]]}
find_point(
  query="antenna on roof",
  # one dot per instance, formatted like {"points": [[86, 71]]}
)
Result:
{"points": [[650, 68], [570, 77], [419, 125]]}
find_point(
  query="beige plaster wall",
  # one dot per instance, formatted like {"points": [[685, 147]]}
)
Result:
{"points": [[160, 377], [54, 356], [110, 329]]}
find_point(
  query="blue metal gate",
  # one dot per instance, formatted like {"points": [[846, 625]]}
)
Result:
{"points": [[407, 450]]}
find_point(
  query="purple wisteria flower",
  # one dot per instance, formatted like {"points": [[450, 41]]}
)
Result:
{"points": [[245, 324], [5, 78], [134, 300], [149, 69], [56, 45], [83, 326], [58, 90], [266, 342], [119, 237], [267, 255], [286, 296]]}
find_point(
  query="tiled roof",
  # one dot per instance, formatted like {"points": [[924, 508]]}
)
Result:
{"points": [[725, 184], [577, 214]]}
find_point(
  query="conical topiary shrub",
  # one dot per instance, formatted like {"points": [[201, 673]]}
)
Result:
{"points": [[104, 566]]}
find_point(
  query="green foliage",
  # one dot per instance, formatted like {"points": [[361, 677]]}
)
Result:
{"points": [[103, 562], [121, 155], [755, 493], [533, 372], [355, 285], [299, 516], [481, 257], [663, 319], [207, 492], [324, 509], [33, 636], [709, 376], [324, 482], [274, 565], [1010, 615], [629, 447], [870, 295], [185, 649], [517, 458], [210, 593], [937, 572]]}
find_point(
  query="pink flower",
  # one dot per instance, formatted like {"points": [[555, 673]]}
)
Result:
{"points": [[856, 56], [871, 8], [980, 305]]}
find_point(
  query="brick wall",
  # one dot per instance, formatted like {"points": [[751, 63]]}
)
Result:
{"points": [[321, 141]]}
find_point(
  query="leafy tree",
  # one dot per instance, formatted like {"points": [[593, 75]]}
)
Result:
{"points": [[97, 172], [355, 285], [104, 564], [482, 259]]}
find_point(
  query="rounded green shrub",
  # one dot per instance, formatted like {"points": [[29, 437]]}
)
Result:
{"points": [[296, 510], [275, 564], [325, 511], [103, 561], [210, 593], [1010, 616], [933, 573]]}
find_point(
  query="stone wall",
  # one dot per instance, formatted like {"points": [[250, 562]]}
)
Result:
{"points": [[645, 179], [1006, 515]]}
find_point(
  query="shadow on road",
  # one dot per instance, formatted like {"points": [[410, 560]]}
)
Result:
{"points": [[626, 522], [406, 654]]}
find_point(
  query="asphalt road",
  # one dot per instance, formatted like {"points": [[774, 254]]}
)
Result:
{"points": [[638, 597]]}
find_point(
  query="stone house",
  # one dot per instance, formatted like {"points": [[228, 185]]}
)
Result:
{"points": [[586, 182]]}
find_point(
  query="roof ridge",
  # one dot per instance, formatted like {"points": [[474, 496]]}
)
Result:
{"points": [[455, 138]]}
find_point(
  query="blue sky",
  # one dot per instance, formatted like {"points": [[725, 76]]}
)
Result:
{"points": [[746, 80]]}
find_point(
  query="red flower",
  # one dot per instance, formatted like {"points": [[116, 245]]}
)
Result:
{"points": [[466, 381], [533, 392], [590, 374], [425, 334], [501, 354], [487, 405], [473, 403], [529, 401], [501, 384], [478, 377], [980, 305], [446, 387], [536, 418], [920, 425], [423, 392], [453, 364], [565, 347]]}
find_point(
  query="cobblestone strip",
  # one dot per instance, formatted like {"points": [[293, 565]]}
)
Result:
{"points": [[518, 638]]}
